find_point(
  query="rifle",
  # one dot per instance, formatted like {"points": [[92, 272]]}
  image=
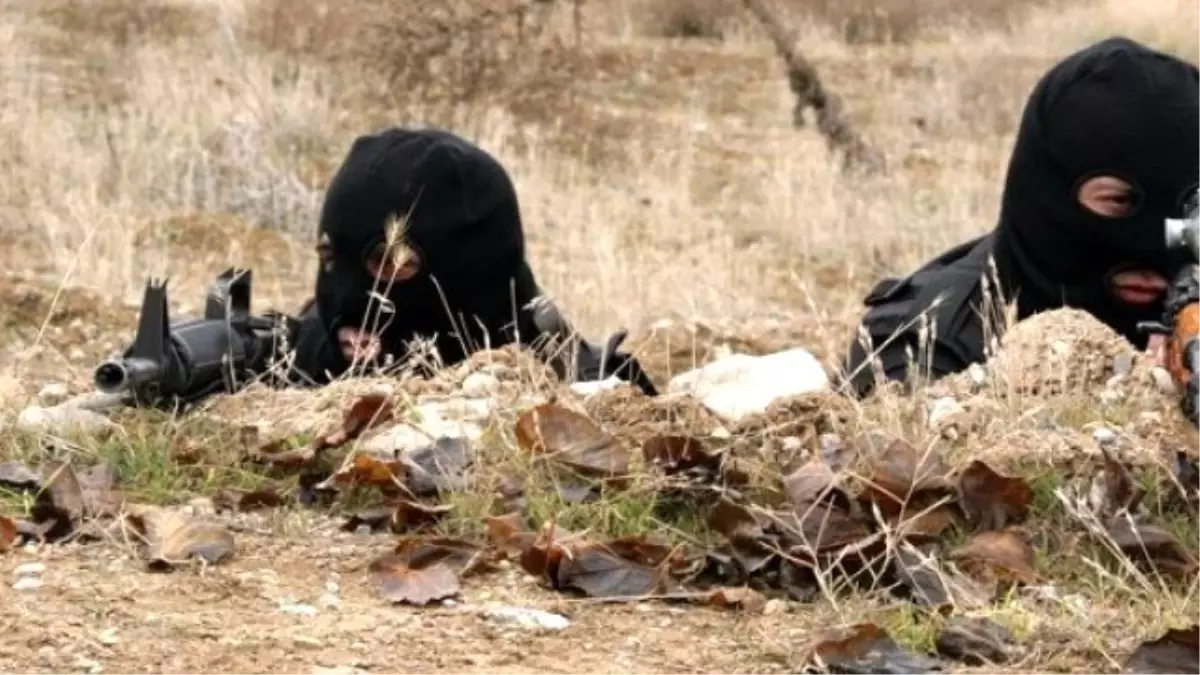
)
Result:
{"points": [[171, 366], [1181, 312]]}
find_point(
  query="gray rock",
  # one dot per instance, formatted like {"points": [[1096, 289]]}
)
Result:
{"points": [[61, 419], [1122, 364]]}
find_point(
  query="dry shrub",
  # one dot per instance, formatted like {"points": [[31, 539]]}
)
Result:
{"points": [[709, 19], [124, 21], [874, 21], [856, 21], [463, 51]]}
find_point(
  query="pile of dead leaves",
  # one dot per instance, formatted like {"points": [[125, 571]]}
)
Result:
{"points": [[71, 505], [876, 515]]}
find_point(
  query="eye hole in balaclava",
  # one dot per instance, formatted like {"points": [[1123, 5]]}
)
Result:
{"points": [[393, 262], [1109, 196]]}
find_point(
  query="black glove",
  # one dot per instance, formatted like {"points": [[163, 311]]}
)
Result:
{"points": [[598, 363]]}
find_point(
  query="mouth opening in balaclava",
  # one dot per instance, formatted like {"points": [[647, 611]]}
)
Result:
{"points": [[1116, 109]]}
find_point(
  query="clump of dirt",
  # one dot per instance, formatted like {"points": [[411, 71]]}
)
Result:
{"points": [[628, 413], [805, 416], [280, 413], [507, 372], [185, 233], [1056, 352], [46, 328]]}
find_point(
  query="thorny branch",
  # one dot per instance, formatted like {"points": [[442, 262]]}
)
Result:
{"points": [[805, 83]]}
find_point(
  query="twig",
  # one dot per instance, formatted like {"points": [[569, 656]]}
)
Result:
{"points": [[805, 83]]}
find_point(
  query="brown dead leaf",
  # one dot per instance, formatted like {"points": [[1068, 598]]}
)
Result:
{"points": [[974, 641], [543, 556], [573, 440], [1152, 547], [363, 469], [815, 483], [1176, 651], [1116, 490], [687, 458], [85, 494], [990, 500], [741, 598], [901, 474], [16, 475], [867, 648], [8, 533], [598, 572], [461, 557], [410, 516], [748, 544], [174, 537], [247, 500], [1004, 555], [919, 574], [415, 582], [397, 516], [820, 528], [644, 549], [376, 518], [280, 455], [507, 534], [368, 411]]}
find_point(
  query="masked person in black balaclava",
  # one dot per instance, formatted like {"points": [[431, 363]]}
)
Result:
{"points": [[1108, 148], [421, 237]]}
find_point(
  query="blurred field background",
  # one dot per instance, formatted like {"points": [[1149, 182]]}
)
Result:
{"points": [[651, 142], [663, 185]]}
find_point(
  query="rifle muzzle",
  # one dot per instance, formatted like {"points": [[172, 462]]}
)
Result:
{"points": [[118, 375]]}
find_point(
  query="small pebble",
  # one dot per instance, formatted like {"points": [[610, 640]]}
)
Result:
{"points": [[479, 385], [330, 601], [108, 637], [307, 641], [1122, 364], [29, 569], [27, 584], [943, 409], [978, 374], [1163, 380], [527, 617], [298, 608], [1104, 435], [53, 394]]}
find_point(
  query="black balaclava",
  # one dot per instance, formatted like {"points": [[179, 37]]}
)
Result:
{"points": [[461, 218], [1116, 108]]}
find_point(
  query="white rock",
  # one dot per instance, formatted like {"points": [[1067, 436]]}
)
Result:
{"points": [[593, 387], [526, 617], [27, 584], [454, 418], [29, 569], [739, 384], [297, 608], [942, 409], [1163, 381], [978, 374], [1104, 435], [59, 419], [53, 394], [479, 385]]}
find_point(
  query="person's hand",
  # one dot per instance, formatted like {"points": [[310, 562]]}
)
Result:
{"points": [[609, 360], [358, 345]]}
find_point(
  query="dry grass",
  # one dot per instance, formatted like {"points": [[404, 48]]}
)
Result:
{"points": [[660, 178]]}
